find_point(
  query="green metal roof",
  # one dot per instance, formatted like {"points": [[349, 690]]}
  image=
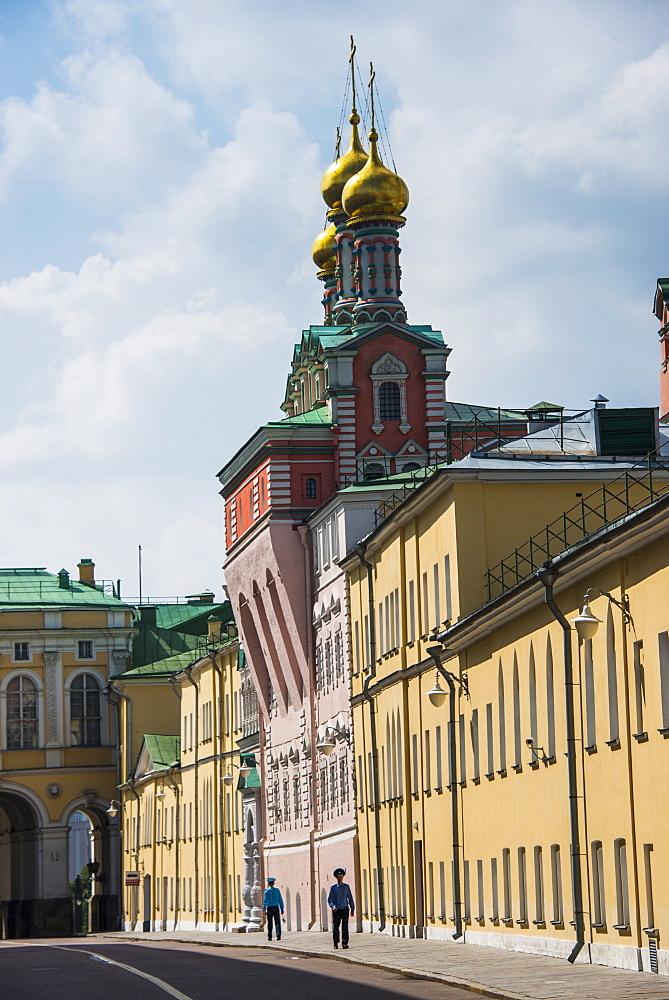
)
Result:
{"points": [[165, 751], [319, 415], [165, 666], [465, 412], [252, 779], [178, 629], [36, 588]]}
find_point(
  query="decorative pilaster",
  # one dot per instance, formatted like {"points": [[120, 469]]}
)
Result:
{"points": [[53, 707]]}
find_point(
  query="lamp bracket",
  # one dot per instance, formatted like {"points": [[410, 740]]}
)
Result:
{"points": [[623, 604]]}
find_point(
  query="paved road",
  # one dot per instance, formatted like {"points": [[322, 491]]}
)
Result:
{"points": [[68, 969]]}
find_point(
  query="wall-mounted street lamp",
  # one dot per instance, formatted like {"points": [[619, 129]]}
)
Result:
{"points": [[93, 869], [114, 807], [331, 738], [586, 624], [243, 772]]}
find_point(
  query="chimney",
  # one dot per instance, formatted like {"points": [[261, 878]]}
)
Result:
{"points": [[86, 569], [214, 628], [63, 579]]}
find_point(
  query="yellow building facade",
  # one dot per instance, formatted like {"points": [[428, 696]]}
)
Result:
{"points": [[468, 808], [186, 842], [60, 641]]}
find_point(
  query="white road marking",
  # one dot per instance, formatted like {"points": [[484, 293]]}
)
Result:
{"points": [[173, 992]]}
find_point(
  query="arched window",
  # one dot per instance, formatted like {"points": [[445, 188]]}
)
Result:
{"points": [[85, 711], [374, 470], [410, 467], [21, 713], [389, 401], [310, 488]]}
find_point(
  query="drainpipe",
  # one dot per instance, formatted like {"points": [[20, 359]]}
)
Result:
{"points": [[548, 575], [435, 652], [303, 532], [196, 868], [177, 832], [109, 690], [360, 551], [220, 889]]}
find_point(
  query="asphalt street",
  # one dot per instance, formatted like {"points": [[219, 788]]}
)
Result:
{"points": [[68, 969]]}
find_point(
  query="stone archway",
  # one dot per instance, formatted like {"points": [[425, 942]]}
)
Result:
{"points": [[22, 911], [103, 849]]}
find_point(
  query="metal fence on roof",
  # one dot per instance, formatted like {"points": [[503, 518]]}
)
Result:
{"points": [[631, 491]]}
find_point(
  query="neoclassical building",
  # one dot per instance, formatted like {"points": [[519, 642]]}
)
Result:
{"points": [[60, 641]]}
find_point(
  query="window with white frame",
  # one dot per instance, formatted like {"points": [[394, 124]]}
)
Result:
{"points": [[22, 732], [85, 715], [21, 652], [85, 649]]}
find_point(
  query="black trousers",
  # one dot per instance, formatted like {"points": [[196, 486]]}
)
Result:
{"points": [[274, 917], [340, 917]]}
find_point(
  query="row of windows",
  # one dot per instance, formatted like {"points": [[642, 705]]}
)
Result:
{"points": [[427, 608], [232, 720], [23, 651], [329, 661], [139, 830], [520, 887], [326, 543], [22, 712]]}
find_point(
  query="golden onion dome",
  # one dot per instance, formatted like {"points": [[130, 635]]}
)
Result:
{"points": [[339, 172], [375, 190], [323, 250]]}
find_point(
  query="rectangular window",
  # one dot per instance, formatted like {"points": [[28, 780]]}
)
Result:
{"points": [[430, 890], [598, 898], [539, 917], [370, 780], [506, 883], [339, 656], [334, 536], [427, 769], [412, 612], [437, 753], [356, 643], [447, 588], [474, 731], [368, 644], [389, 616], [479, 885], [361, 783], [21, 651], [466, 891], [85, 649], [490, 738], [639, 688], [556, 880], [442, 890], [325, 544], [426, 606], [494, 889], [522, 885], [590, 712], [648, 874], [414, 772], [663, 642]]}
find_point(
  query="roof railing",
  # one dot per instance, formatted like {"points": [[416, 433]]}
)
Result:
{"points": [[631, 491]]}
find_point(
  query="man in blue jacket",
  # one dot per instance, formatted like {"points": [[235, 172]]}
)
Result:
{"points": [[340, 900], [272, 904]]}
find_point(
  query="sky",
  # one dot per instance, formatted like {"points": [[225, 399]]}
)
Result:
{"points": [[160, 166]]}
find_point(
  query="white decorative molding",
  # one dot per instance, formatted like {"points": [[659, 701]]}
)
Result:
{"points": [[390, 369], [53, 697]]}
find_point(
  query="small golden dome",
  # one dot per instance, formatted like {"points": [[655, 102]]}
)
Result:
{"points": [[375, 190], [339, 172], [323, 250]]}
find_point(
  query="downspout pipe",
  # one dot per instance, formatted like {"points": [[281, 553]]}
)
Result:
{"points": [[436, 652], [360, 550], [547, 574], [196, 873], [220, 889], [169, 774]]}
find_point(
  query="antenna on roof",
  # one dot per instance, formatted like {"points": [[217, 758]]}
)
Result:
{"points": [[140, 572]]}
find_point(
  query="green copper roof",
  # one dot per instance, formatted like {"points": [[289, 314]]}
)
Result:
{"points": [[319, 415], [169, 632], [35, 588], [465, 412], [163, 667], [165, 751]]}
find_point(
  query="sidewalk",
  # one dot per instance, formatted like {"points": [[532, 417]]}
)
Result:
{"points": [[490, 972]]}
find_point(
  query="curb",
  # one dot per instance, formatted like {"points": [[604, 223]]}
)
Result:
{"points": [[433, 977]]}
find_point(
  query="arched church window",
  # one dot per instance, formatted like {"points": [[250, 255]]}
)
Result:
{"points": [[374, 470], [85, 711], [410, 466], [389, 401], [21, 713], [310, 488]]}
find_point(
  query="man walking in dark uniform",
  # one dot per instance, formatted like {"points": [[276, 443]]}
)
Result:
{"points": [[272, 904], [340, 900]]}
